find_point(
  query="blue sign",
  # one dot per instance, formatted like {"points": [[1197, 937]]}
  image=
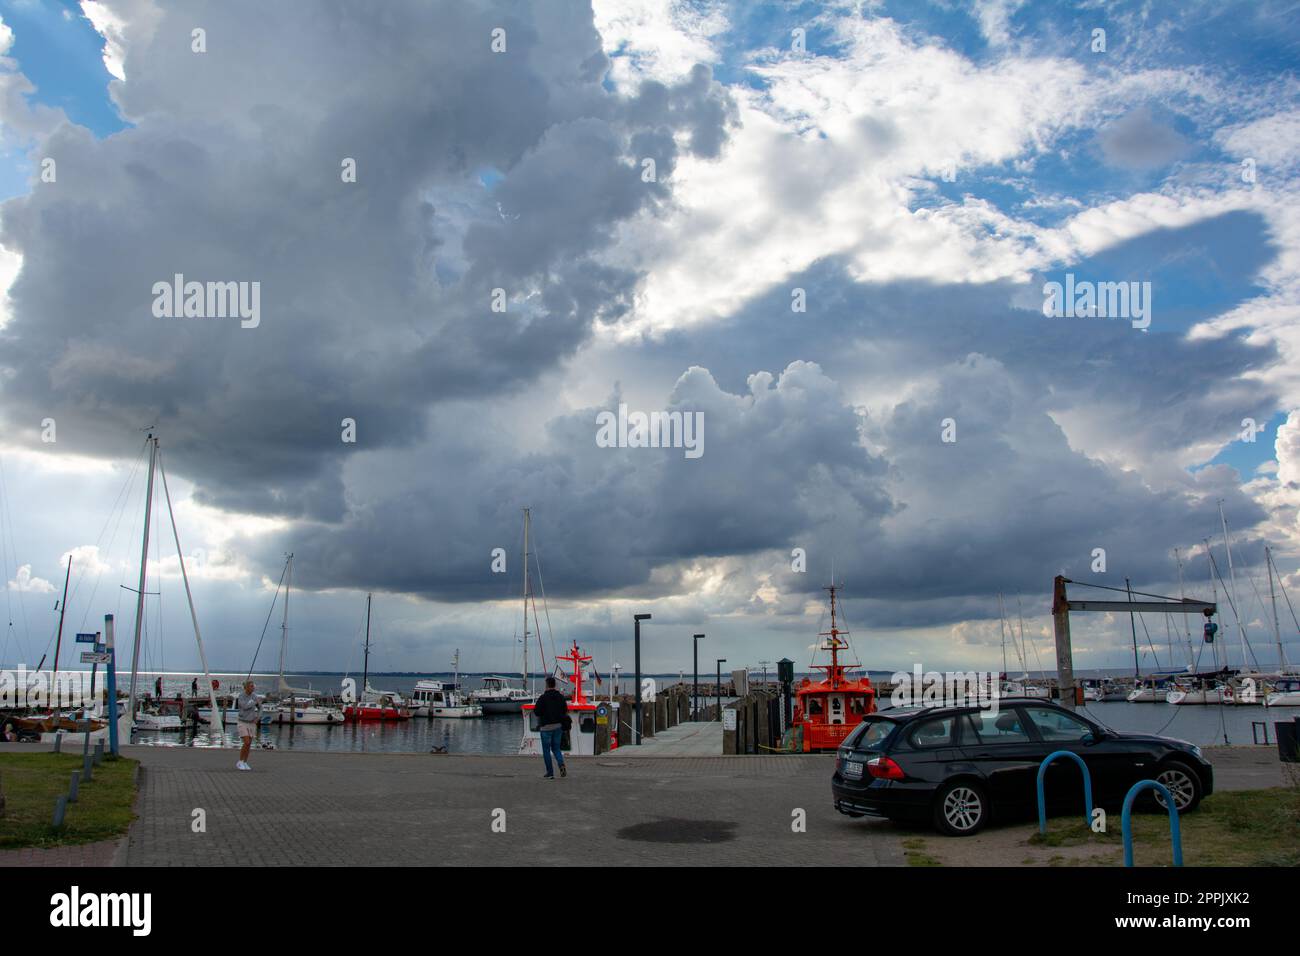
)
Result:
{"points": [[86, 638]]}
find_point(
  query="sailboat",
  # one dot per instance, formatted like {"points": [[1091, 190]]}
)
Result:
{"points": [[374, 704], [498, 695], [298, 706], [151, 721]]}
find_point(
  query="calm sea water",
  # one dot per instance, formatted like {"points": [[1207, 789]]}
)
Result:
{"points": [[500, 734]]}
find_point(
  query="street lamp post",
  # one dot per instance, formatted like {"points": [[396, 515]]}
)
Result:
{"points": [[718, 687], [695, 698], [636, 709]]}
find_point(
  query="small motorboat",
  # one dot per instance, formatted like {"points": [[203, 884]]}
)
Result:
{"points": [[435, 698]]}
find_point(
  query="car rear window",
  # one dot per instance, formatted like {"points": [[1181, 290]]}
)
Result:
{"points": [[871, 733]]}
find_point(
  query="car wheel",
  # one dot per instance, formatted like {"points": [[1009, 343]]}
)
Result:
{"points": [[1182, 782], [961, 808]]}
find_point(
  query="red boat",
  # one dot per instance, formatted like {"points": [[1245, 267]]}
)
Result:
{"points": [[376, 707], [827, 710]]}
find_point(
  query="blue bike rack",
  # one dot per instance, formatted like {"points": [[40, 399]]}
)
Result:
{"points": [[1087, 788], [1175, 835]]}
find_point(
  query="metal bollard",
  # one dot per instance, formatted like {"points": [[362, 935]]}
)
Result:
{"points": [[74, 786], [58, 742], [99, 750], [60, 808], [87, 773]]}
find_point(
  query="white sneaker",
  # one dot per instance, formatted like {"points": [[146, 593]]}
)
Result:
{"points": [[243, 765]]}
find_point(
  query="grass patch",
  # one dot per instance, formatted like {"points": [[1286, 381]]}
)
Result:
{"points": [[914, 852], [31, 781], [1230, 828]]}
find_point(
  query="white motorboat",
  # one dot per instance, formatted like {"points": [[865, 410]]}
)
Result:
{"points": [[1285, 693], [433, 698], [499, 696]]}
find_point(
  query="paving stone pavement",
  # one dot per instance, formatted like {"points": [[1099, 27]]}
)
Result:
{"points": [[317, 809]]}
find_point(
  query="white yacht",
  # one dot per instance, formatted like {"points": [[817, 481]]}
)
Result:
{"points": [[433, 698], [499, 696]]}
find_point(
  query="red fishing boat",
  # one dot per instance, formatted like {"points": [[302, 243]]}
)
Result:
{"points": [[827, 710]]}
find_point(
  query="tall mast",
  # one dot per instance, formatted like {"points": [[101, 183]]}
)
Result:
{"points": [[1272, 596], [1232, 579], [144, 565], [63, 609], [1002, 626], [1187, 625], [365, 667], [216, 726], [834, 645], [1132, 624], [527, 678], [284, 626]]}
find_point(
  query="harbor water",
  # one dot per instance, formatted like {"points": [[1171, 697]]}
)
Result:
{"points": [[499, 734]]}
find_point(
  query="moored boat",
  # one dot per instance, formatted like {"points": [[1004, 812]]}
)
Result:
{"points": [[827, 710], [499, 696], [1285, 693], [580, 738]]}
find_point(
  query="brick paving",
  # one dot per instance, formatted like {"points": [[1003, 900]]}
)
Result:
{"points": [[408, 809]]}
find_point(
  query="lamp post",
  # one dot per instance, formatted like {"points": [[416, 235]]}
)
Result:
{"points": [[636, 709], [718, 686], [695, 697]]}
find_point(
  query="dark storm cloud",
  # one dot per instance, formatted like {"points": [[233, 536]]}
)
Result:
{"points": [[775, 459], [374, 304]]}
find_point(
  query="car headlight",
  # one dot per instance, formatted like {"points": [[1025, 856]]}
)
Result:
{"points": [[1196, 750]]}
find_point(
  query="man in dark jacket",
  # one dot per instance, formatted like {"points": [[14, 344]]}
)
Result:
{"points": [[552, 712]]}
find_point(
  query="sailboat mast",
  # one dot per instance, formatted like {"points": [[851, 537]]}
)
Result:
{"points": [[216, 726], [365, 667], [1002, 626], [284, 626], [144, 565], [1182, 595], [1272, 596], [1232, 579], [63, 609], [1132, 624], [835, 641], [527, 678]]}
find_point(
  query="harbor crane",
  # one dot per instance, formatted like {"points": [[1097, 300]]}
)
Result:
{"points": [[1062, 606]]}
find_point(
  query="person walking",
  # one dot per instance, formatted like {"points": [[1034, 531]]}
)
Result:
{"points": [[552, 712], [194, 687], [249, 706]]}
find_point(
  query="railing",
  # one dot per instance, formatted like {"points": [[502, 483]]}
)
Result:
{"points": [[1087, 788], [1175, 835]]}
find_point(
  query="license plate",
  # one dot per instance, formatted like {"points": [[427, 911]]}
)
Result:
{"points": [[852, 770]]}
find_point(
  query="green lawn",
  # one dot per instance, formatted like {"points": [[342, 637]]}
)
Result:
{"points": [[1230, 828], [31, 781]]}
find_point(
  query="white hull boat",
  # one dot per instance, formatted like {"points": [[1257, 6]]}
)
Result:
{"points": [[1285, 693], [433, 698], [310, 714], [152, 722], [1200, 695], [231, 716]]}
